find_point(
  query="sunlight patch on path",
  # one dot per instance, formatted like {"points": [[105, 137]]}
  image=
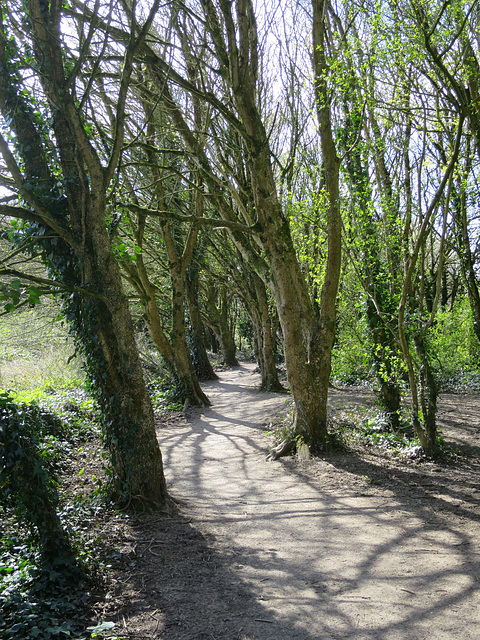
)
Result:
{"points": [[332, 565]]}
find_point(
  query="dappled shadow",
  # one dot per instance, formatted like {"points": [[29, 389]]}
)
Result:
{"points": [[181, 587], [450, 486], [317, 558]]}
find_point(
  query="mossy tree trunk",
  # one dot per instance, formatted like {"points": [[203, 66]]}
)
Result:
{"points": [[67, 204]]}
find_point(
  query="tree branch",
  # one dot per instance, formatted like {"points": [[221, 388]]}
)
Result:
{"points": [[211, 222], [55, 285]]}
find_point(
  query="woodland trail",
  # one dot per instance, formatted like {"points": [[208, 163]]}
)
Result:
{"points": [[310, 554]]}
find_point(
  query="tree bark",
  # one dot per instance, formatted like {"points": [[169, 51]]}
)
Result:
{"points": [[263, 330], [218, 320], [184, 365], [201, 362], [308, 338], [78, 250]]}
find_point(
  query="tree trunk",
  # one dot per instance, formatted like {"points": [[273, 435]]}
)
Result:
{"points": [[428, 399], [263, 331], [176, 354], [218, 321], [200, 358], [308, 339], [384, 355], [183, 360], [117, 374], [77, 251]]}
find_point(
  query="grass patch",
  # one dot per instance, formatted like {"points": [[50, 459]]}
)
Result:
{"points": [[27, 373], [36, 351]]}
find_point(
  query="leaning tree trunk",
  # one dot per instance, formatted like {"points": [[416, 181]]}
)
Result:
{"points": [[307, 351], [106, 331], [79, 253], [175, 354], [308, 339], [191, 391]]}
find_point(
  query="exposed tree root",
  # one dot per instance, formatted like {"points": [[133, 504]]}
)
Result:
{"points": [[283, 449], [273, 388]]}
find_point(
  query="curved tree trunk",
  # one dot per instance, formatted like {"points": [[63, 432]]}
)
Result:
{"points": [[176, 356], [178, 261], [77, 250], [308, 338]]}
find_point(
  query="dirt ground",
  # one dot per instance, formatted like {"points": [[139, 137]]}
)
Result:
{"points": [[357, 545]]}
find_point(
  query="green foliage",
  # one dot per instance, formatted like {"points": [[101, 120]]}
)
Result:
{"points": [[27, 481], [454, 348], [388, 366], [164, 394], [370, 428], [307, 210], [69, 404], [244, 328], [41, 598], [28, 489], [350, 360], [15, 293], [351, 354], [30, 608], [53, 415]]}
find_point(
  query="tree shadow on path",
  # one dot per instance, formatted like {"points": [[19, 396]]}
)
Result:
{"points": [[348, 547]]}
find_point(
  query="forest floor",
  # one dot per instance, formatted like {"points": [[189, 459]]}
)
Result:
{"points": [[356, 545]]}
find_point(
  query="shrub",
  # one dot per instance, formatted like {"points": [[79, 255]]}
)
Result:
{"points": [[454, 347], [27, 486]]}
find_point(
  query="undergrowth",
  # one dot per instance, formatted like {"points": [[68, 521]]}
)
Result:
{"points": [[49, 556], [365, 427], [63, 424], [369, 428]]}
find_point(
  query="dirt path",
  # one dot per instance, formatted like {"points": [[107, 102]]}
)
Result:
{"points": [[353, 547]]}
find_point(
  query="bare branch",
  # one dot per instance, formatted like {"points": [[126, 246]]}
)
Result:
{"points": [[211, 222]]}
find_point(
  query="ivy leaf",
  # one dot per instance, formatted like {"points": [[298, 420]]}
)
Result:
{"points": [[34, 295], [100, 628]]}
